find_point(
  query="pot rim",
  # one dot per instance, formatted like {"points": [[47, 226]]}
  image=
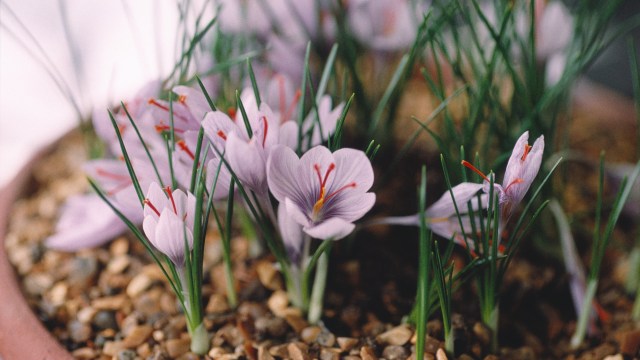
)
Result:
{"points": [[22, 335]]}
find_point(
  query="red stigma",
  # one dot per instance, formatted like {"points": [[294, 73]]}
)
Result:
{"points": [[182, 98], [475, 170], [148, 203], [348, 186], [222, 135], [527, 148], [266, 129], [287, 114], [154, 102], [232, 112], [170, 195], [183, 146]]}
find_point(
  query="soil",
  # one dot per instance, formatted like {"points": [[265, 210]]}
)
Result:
{"points": [[112, 301]]}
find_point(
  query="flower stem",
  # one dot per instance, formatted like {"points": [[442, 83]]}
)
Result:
{"points": [[317, 293], [635, 313], [199, 339], [232, 298], [490, 318], [296, 288], [583, 320]]}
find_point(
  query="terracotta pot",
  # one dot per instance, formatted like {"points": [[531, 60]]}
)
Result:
{"points": [[22, 335]]}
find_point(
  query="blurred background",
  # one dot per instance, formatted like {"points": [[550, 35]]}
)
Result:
{"points": [[99, 52]]}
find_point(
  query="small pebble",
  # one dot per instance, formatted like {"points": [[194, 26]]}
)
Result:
{"points": [[126, 355], [137, 336], [177, 347], [346, 343], [329, 354], [395, 352], [629, 341], [441, 355], [310, 334], [366, 353], [112, 348], [278, 302], [298, 351], [482, 332], [217, 304], [105, 320], [118, 264], [399, 335], [263, 353], [79, 332], [138, 285], [614, 357], [110, 302], [268, 275], [84, 353]]}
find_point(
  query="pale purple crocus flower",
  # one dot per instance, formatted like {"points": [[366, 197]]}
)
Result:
{"points": [[168, 221], [521, 170], [323, 192], [383, 25], [86, 221]]}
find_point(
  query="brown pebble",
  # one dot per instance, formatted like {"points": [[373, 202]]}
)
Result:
{"points": [[346, 343], [112, 348], [482, 332], [263, 353], [109, 302], [119, 246], [58, 293], [399, 335], [138, 285], [137, 336], [431, 345], [298, 351], [268, 275], [441, 355], [394, 352], [491, 357], [326, 339], [351, 357], [629, 341], [465, 357], [295, 320], [217, 304], [144, 350], [278, 302], [78, 331], [310, 334], [177, 347], [84, 353], [329, 354], [366, 353], [85, 315], [118, 264], [614, 357], [279, 351]]}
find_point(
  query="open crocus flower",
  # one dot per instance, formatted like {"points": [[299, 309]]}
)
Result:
{"points": [[522, 169], [168, 219], [322, 191]]}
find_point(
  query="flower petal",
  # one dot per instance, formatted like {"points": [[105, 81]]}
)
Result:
{"points": [[331, 229], [247, 160], [352, 166], [291, 232]]}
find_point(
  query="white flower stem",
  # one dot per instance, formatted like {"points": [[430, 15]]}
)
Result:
{"points": [[448, 341], [295, 288], [583, 320], [635, 313], [317, 294], [490, 318], [200, 340]]}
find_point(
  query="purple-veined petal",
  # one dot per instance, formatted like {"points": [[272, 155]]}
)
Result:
{"points": [[463, 193], [247, 160], [352, 166], [86, 221], [330, 229], [291, 231]]}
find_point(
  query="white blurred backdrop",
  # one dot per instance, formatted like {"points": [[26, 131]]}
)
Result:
{"points": [[109, 50]]}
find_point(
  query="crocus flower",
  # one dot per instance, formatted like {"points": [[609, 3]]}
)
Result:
{"points": [[522, 169], [323, 192], [87, 221], [168, 219]]}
